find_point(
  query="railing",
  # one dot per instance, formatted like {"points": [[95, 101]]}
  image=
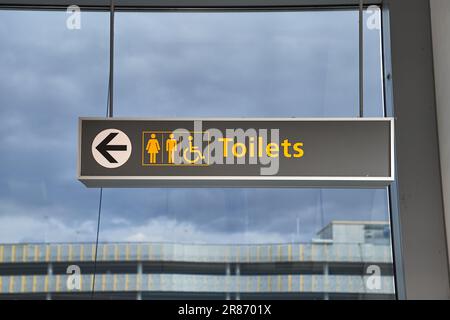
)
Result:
{"points": [[28, 253], [197, 283]]}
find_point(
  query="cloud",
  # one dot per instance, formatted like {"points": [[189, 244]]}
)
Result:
{"points": [[159, 229], [43, 225], [171, 64], [163, 229]]}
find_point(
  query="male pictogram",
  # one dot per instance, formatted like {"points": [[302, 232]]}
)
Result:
{"points": [[153, 148], [171, 147]]}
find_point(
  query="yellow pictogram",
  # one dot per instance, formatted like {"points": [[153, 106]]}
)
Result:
{"points": [[153, 148], [160, 148], [171, 147], [196, 155]]}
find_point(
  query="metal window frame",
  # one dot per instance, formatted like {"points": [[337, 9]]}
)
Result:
{"points": [[419, 241], [420, 246], [180, 4]]}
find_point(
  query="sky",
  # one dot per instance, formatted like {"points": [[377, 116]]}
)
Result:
{"points": [[285, 64]]}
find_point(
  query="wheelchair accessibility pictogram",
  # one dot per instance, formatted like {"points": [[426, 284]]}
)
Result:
{"points": [[195, 155], [162, 148]]}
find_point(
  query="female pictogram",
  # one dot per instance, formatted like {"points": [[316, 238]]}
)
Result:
{"points": [[153, 148]]}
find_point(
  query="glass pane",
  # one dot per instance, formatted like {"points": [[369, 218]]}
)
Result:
{"points": [[272, 64], [50, 75], [270, 243], [183, 243]]}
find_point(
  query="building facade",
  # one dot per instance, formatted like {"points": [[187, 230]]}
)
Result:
{"points": [[358, 266]]}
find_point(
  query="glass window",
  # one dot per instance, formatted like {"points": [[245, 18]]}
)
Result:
{"points": [[185, 243], [50, 75]]}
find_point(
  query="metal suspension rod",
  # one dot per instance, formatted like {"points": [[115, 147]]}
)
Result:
{"points": [[96, 243], [111, 60], [361, 59]]}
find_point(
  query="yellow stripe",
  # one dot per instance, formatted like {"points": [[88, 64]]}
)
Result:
{"points": [[82, 252], [105, 252], [24, 253], [47, 253], [104, 282], [269, 283], [57, 283], [92, 282], [34, 284], [23, 284], [301, 253], [81, 282], [138, 282], [58, 252], [116, 252], [149, 281], [36, 253], [302, 283], [93, 252], [70, 252], [127, 252], [1, 253], [126, 282], [46, 284], [13, 253], [139, 249], [279, 252], [11, 284], [313, 283], [290, 283], [290, 252], [279, 283], [115, 282]]}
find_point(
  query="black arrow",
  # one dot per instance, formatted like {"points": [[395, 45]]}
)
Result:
{"points": [[103, 147]]}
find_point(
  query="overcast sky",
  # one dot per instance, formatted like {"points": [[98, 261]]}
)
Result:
{"points": [[172, 64]]}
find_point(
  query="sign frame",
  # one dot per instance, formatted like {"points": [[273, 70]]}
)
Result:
{"points": [[237, 181]]}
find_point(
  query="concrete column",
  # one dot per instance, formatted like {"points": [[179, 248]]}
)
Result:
{"points": [[440, 23]]}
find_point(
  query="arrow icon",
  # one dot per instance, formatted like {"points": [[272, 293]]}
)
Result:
{"points": [[103, 147]]}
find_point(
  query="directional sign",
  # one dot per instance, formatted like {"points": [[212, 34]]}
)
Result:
{"points": [[236, 152], [111, 148]]}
